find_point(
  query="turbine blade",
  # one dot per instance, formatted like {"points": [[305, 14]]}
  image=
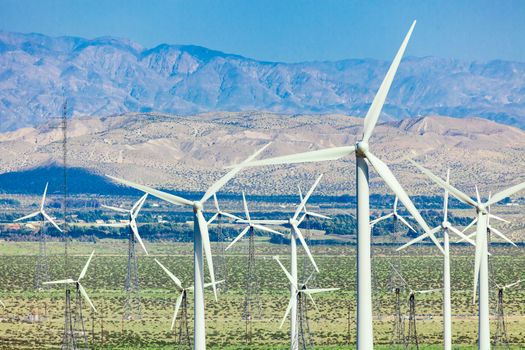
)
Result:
{"points": [[216, 202], [305, 246], [383, 171], [384, 217], [512, 284], [48, 218], [497, 232], [213, 218], [245, 205], [84, 270], [470, 225], [288, 308], [231, 216], [499, 218], [203, 228], [290, 278], [419, 238], [42, 203], [402, 219], [138, 206], [505, 193], [266, 229], [176, 313], [32, 215], [156, 193], [454, 191], [326, 154], [241, 235], [134, 228], [114, 208], [206, 285], [223, 180], [318, 290], [399, 274], [174, 278], [66, 281], [320, 216], [86, 296], [445, 199], [395, 204], [301, 197], [305, 199], [379, 100], [462, 235]]}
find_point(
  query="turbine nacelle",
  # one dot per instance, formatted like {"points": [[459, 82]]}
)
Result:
{"points": [[197, 206], [361, 149]]}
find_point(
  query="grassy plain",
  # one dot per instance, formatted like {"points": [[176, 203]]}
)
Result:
{"points": [[332, 323]]}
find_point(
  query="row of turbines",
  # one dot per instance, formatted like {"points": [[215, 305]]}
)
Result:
{"points": [[298, 291]]}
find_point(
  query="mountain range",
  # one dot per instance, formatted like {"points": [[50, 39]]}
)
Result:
{"points": [[188, 153], [111, 76]]}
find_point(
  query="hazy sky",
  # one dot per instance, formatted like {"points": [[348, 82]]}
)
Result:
{"points": [[286, 30]]}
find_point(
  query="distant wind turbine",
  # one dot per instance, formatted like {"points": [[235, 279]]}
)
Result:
{"points": [[41, 212]]}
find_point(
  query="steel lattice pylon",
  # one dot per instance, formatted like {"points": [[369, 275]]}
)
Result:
{"points": [[411, 339], [252, 303], [42, 267], [74, 332], [398, 334], [182, 329], [304, 338], [501, 340], [132, 306]]}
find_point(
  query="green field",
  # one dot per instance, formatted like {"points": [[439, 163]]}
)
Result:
{"points": [[332, 323]]}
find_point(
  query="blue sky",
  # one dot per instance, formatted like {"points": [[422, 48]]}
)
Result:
{"points": [[290, 30]]}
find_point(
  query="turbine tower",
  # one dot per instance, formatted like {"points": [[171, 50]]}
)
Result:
{"points": [[365, 334], [222, 264], [446, 228], [201, 241], [73, 319], [252, 306], [481, 269], [182, 302], [299, 295], [42, 268], [132, 307]]}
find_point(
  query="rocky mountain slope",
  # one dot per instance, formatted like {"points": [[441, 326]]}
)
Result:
{"points": [[190, 152], [106, 76]]}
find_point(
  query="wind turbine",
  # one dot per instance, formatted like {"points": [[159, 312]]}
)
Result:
{"points": [[132, 221], [70, 324], [41, 269], [295, 234], [446, 228], [219, 213], [481, 270], [41, 211], [201, 242], [394, 215], [298, 291], [500, 337], [365, 334], [182, 299]]}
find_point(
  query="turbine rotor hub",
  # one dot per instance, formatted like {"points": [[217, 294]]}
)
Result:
{"points": [[361, 148], [197, 206]]}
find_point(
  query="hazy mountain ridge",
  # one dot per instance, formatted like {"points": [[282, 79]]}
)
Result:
{"points": [[187, 153], [105, 76]]}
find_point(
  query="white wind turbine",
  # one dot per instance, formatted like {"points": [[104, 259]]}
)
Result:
{"points": [[132, 221], [78, 286], [295, 234], [395, 215], [219, 213], [41, 212], [298, 290], [445, 227], [481, 271], [251, 224], [365, 334], [201, 241], [183, 296]]}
